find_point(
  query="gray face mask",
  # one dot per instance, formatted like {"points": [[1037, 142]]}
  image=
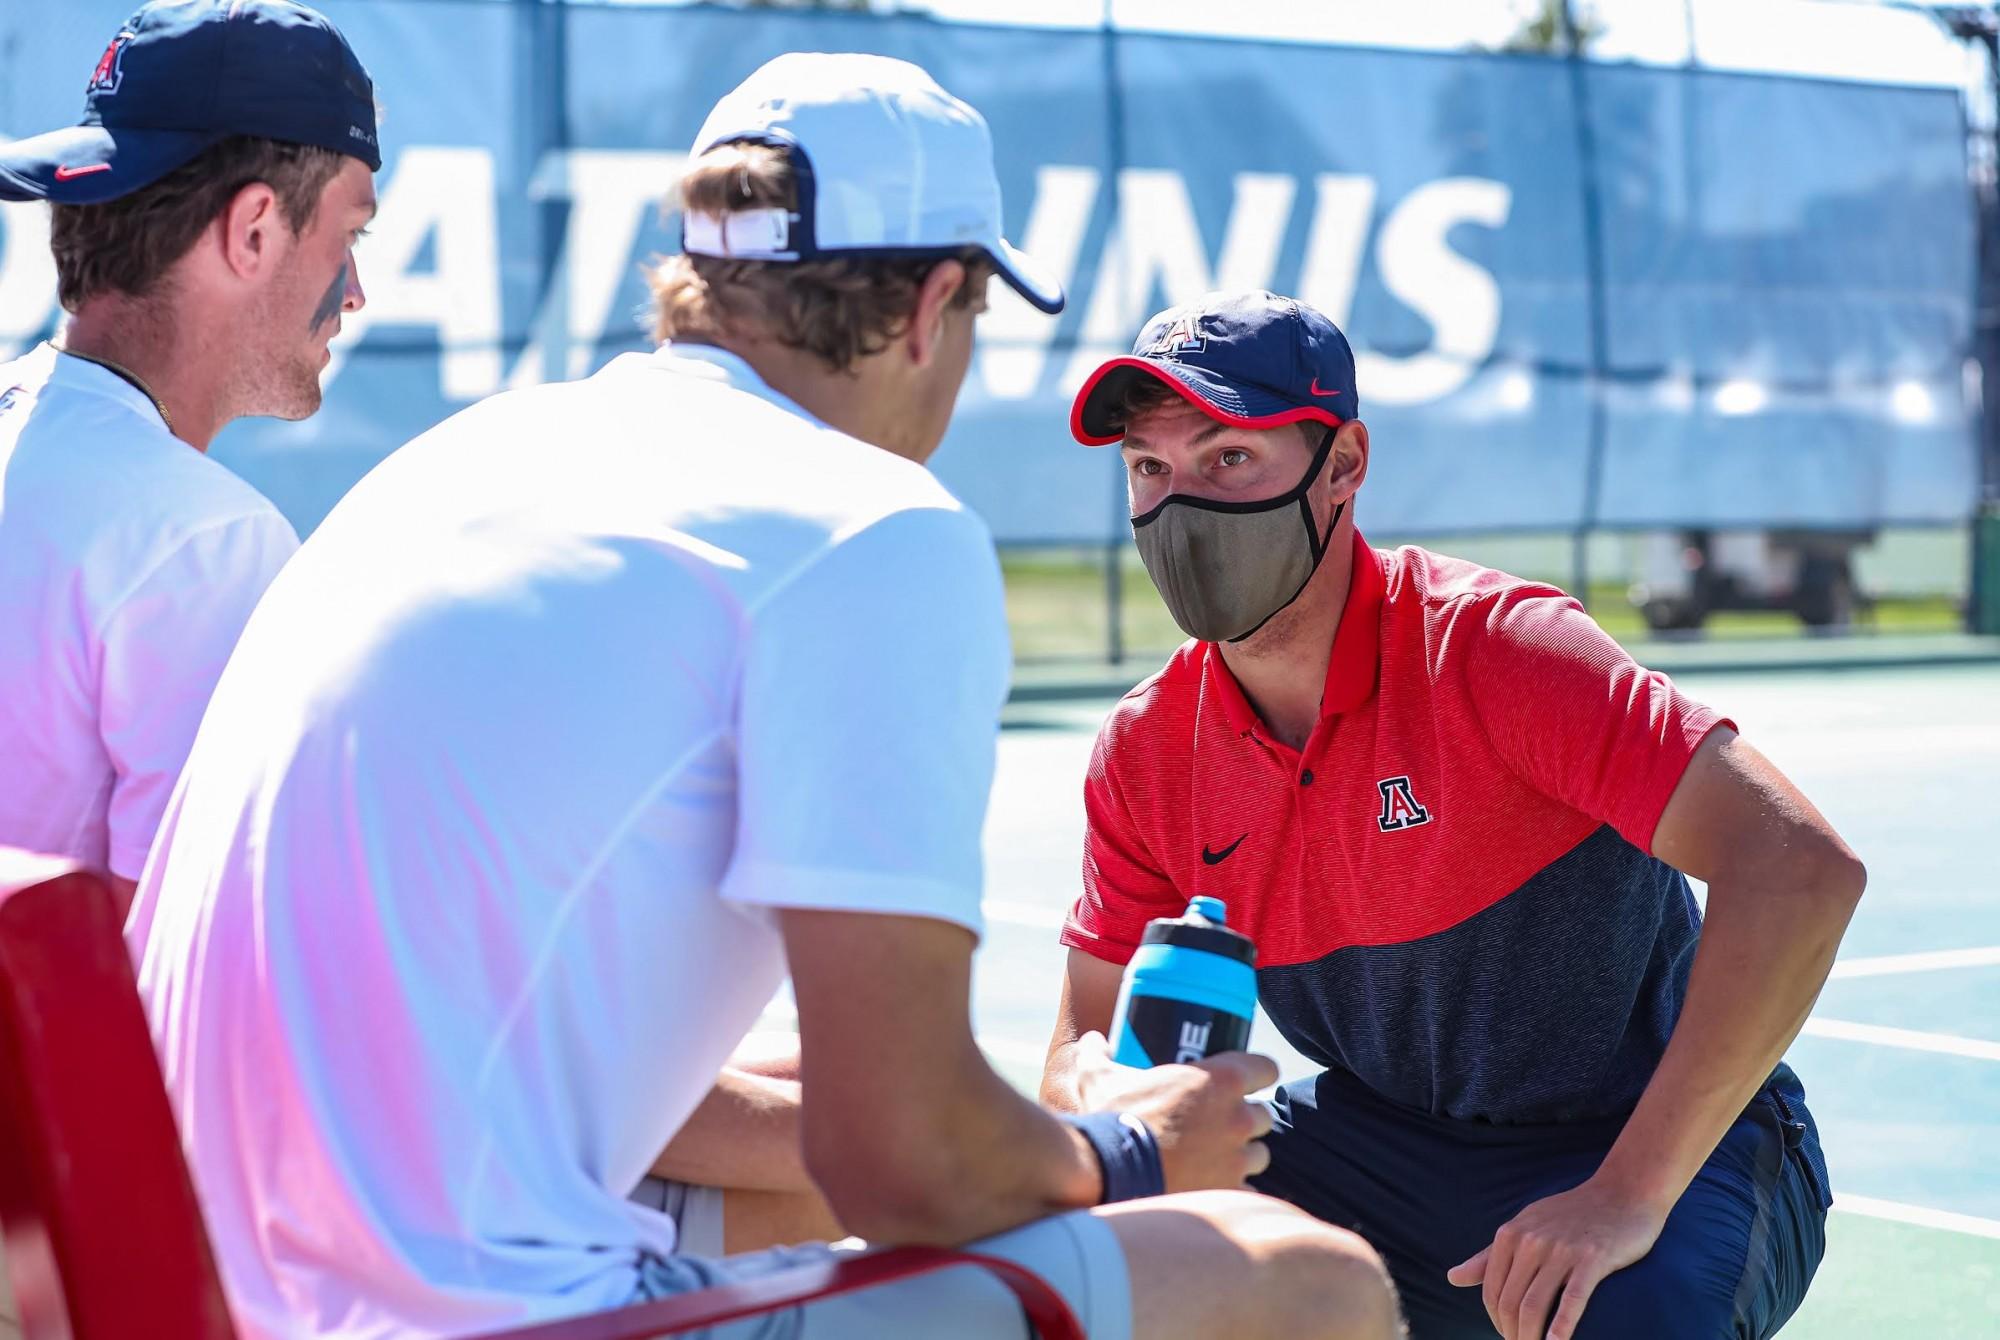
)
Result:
{"points": [[1224, 568]]}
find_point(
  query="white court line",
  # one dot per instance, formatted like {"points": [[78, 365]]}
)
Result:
{"points": [[1921, 1215], [1024, 914], [1909, 1039], [1933, 961]]}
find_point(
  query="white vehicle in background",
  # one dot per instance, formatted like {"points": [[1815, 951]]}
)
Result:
{"points": [[1684, 576]]}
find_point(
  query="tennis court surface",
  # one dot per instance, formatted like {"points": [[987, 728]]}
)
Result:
{"points": [[1902, 1057]]}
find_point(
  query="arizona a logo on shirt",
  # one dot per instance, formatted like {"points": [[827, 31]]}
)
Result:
{"points": [[1400, 809]]}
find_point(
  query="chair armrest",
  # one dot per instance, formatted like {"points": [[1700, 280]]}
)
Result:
{"points": [[1045, 1308]]}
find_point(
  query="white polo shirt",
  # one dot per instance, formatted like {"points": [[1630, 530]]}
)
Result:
{"points": [[128, 564], [467, 893]]}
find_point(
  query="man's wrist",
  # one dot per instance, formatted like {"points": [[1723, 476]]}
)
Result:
{"points": [[1087, 1186], [1062, 1089], [1638, 1182], [1128, 1155]]}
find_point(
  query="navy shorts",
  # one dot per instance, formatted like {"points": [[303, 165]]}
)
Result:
{"points": [[1732, 1263]]}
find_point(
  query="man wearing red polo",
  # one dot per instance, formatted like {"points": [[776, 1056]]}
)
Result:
{"points": [[1456, 818]]}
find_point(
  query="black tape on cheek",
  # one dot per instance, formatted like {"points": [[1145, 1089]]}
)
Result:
{"points": [[332, 301]]}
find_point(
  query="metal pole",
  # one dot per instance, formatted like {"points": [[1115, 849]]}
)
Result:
{"points": [[1976, 23], [1981, 606], [1114, 153], [541, 110], [1593, 258]]}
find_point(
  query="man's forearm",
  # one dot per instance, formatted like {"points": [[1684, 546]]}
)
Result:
{"points": [[1052, 1168], [1763, 958], [1059, 1087], [1089, 997], [993, 1161], [745, 1135]]}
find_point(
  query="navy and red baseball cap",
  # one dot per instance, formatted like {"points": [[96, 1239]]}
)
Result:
{"points": [[182, 75], [1249, 358]]}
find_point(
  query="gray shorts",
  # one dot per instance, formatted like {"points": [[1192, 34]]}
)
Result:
{"points": [[695, 1210], [1076, 1253]]}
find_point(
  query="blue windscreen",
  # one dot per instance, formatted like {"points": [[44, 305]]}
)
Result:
{"points": [[1787, 265]]}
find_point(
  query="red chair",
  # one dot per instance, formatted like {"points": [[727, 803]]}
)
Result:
{"points": [[105, 1239]]}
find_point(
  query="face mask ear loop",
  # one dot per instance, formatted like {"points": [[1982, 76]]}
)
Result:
{"points": [[1317, 541], [1327, 540]]}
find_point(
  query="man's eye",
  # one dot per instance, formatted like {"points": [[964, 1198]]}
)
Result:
{"points": [[1232, 456], [1149, 466]]}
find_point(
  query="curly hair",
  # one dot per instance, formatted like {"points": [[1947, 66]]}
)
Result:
{"points": [[840, 310], [126, 245]]}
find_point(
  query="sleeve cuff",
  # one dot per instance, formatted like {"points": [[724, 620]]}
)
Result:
{"points": [[1074, 936], [766, 884], [1659, 788]]}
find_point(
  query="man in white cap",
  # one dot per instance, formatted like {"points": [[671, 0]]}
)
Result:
{"points": [[583, 716]]}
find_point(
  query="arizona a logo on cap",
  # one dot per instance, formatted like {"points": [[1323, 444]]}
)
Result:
{"points": [[1182, 337], [110, 71]]}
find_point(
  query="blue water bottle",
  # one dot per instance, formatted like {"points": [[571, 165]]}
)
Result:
{"points": [[1189, 992]]}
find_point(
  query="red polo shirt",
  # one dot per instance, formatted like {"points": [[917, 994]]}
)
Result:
{"points": [[1451, 886]]}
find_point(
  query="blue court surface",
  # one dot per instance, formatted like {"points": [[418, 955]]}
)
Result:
{"points": [[1902, 1057]]}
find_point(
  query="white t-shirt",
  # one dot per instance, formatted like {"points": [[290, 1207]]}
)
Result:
{"points": [[467, 892], [128, 563]]}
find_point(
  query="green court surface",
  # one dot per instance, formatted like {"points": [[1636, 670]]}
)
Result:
{"points": [[1901, 1060]]}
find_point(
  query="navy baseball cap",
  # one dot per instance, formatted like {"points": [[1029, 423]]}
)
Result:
{"points": [[1252, 359], [183, 75]]}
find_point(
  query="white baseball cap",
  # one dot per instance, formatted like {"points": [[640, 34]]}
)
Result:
{"points": [[887, 163]]}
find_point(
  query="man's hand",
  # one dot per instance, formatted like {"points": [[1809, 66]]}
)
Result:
{"points": [[1553, 1254], [1210, 1132]]}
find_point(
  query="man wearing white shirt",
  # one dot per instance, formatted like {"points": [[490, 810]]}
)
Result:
{"points": [[203, 246], [585, 716]]}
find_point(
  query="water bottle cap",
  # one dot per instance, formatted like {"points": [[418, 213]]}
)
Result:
{"points": [[1201, 928], [1209, 909]]}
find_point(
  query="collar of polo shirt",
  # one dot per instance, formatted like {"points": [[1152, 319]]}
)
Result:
{"points": [[1351, 669]]}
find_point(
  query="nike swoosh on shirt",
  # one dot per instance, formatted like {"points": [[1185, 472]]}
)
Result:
{"points": [[66, 173], [1218, 857]]}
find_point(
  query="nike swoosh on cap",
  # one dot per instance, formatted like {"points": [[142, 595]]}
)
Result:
{"points": [[67, 173], [1218, 857], [1314, 388]]}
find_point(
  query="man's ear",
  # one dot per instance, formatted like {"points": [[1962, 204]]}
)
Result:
{"points": [[249, 226], [1347, 463], [934, 298]]}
